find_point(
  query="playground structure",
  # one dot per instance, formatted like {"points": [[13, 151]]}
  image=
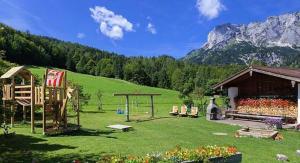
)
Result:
{"points": [[126, 95], [19, 89]]}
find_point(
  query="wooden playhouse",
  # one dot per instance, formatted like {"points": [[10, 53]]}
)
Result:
{"points": [[19, 89]]}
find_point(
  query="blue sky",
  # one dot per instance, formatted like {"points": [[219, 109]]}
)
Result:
{"points": [[136, 27]]}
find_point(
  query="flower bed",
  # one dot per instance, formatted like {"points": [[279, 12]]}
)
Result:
{"points": [[297, 127], [200, 154], [272, 122], [263, 106]]}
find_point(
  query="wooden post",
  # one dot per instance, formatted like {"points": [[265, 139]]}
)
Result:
{"points": [[78, 108], [44, 117], [65, 96], [4, 110], [152, 107], [50, 94], [13, 88], [12, 102], [24, 107], [12, 117], [32, 103], [24, 114], [127, 108], [44, 102], [3, 104]]}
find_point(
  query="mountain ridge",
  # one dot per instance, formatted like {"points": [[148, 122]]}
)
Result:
{"points": [[273, 38]]}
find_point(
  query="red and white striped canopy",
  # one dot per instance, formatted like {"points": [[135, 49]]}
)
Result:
{"points": [[54, 78]]}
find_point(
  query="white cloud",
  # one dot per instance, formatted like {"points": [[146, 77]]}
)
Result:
{"points": [[111, 24], [210, 8], [80, 35], [151, 28]]}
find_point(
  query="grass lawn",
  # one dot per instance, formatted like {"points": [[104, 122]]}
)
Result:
{"points": [[160, 134]]}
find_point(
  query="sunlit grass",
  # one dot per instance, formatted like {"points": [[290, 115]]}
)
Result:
{"points": [[159, 134]]}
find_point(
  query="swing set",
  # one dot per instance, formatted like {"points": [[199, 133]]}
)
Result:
{"points": [[127, 110]]}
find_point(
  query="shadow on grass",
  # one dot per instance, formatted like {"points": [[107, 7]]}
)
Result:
{"points": [[99, 111], [39, 124], [90, 132], [94, 112], [152, 119], [71, 158], [18, 118], [25, 148]]}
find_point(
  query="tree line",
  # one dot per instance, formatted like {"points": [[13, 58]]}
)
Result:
{"points": [[163, 71]]}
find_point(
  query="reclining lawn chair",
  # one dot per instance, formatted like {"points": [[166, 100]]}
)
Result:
{"points": [[174, 111], [183, 111], [194, 112]]}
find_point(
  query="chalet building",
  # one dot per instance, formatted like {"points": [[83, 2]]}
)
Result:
{"points": [[264, 91]]}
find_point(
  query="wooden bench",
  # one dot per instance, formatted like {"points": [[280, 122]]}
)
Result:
{"points": [[250, 116]]}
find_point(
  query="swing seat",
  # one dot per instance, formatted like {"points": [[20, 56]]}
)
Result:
{"points": [[120, 111]]}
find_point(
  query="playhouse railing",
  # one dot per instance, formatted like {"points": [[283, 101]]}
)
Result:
{"points": [[38, 96], [22, 92], [54, 94], [51, 95]]}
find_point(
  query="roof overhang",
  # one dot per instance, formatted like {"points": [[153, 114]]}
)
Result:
{"points": [[257, 70]]}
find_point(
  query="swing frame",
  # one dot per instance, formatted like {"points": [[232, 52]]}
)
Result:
{"points": [[126, 95]]}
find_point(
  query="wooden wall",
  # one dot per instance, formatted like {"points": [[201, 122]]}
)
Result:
{"points": [[263, 85]]}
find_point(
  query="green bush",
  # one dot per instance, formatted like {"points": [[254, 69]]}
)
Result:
{"points": [[188, 102]]}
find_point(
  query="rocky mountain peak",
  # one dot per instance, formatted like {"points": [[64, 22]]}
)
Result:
{"points": [[275, 42], [283, 31]]}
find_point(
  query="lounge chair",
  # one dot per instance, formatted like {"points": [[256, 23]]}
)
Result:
{"points": [[174, 111], [183, 111], [194, 112]]}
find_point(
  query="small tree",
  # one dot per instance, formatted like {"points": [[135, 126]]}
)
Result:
{"points": [[199, 95], [188, 102], [84, 98], [226, 102], [5, 129], [99, 98]]}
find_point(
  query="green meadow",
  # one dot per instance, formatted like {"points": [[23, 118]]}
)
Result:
{"points": [[149, 135]]}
